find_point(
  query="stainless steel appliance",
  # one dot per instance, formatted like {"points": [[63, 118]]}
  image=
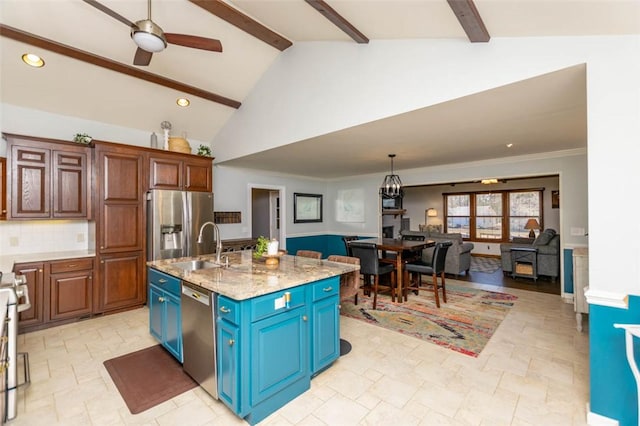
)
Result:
{"points": [[174, 219], [198, 336], [12, 291]]}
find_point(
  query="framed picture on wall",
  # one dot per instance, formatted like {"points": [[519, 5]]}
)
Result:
{"points": [[555, 199], [307, 208]]}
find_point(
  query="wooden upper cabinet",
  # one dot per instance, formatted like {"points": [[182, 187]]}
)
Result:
{"points": [[180, 172], [120, 190], [3, 188], [47, 179]]}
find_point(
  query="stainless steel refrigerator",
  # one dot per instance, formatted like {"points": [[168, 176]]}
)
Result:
{"points": [[174, 219]]}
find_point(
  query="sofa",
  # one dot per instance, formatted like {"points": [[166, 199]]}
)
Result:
{"points": [[548, 257], [458, 258]]}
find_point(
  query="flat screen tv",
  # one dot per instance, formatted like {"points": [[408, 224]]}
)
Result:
{"points": [[392, 203]]}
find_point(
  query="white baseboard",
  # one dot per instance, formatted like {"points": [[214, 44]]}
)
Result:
{"points": [[594, 419]]}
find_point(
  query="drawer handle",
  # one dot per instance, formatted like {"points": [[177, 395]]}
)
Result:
{"points": [[71, 265], [327, 289], [162, 280], [231, 342], [224, 310]]}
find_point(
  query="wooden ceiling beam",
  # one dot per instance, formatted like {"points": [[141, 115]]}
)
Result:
{"points": [[469, 17], [338, 20], [247, 24], [90, 58]]}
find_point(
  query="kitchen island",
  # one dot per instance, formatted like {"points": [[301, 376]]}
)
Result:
{"points": [[276, 326]]}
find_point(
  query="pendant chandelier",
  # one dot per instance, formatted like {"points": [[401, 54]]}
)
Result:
{"points": [[391, 185]]}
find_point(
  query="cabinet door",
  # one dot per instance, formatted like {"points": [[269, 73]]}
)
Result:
{"points": [[120, 218], [3, 188], [228, 359], [165, 173], [69, 184], [34, 273], [30, 187], [121, 283], [198, 175], [173, 326], [326, 333], [155, 312], [280, 353], [71, 294]]}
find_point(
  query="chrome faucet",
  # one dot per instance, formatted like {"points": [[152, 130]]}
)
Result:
{"points": [[216, 235]]}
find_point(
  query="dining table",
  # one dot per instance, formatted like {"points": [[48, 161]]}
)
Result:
{"points": [[398, 246]]}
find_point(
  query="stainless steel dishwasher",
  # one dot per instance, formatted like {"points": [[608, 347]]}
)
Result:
{"points": [[199, 336]]}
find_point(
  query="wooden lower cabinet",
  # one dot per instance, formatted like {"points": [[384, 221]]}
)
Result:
{"points": [[59, 291], [122, 284], [34, 273]]}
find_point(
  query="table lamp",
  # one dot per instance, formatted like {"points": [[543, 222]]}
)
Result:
{"points": [[531, 225]]}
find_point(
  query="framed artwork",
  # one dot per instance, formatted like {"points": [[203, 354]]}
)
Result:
{"points": [[555, 199], [307, 208], [350, 205]]}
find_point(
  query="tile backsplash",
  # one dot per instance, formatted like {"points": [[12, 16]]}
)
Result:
{"points": [[36, 236]]}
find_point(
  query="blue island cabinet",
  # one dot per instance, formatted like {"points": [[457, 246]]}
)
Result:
{"points": [[267, 346], [165, 320]]}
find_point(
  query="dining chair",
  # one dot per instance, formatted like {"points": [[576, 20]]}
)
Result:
{"points": [[346, 239], [419, 268], [407, 255], [370, 266], [349, 287], [309, 253]]}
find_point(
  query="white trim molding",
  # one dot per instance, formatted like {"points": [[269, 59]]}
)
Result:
{"points": [[607, 298], [594, 419]]}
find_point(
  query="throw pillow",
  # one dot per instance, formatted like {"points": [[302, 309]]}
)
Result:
{"points": [[543, 239]]}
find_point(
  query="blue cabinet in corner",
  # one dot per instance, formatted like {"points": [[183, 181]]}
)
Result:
{"points": [[165, 320]]}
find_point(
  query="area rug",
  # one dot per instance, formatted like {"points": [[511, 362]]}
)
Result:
{"points": [[487, 265], [148, 377], [464, 324]]}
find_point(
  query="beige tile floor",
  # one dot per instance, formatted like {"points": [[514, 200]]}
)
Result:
{"points": [[534, 371]]}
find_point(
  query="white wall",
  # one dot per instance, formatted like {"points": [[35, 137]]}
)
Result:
{"points": [[342, 85]]}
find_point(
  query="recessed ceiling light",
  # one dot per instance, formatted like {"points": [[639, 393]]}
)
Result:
{"points": [[183, 102], [509, 145], [33, 60]]}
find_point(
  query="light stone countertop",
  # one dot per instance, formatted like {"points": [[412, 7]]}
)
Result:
{"points": [[246, 277], [7, 261]]}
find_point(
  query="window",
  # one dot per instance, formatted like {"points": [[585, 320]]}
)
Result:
{"points": [[523, 205], [492, 216], [488, 216], [459, 214]]}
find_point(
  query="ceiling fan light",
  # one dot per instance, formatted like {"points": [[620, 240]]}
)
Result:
{"points": [[148, 36]]}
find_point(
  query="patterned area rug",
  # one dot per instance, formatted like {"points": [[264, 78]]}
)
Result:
{"points": [[464, 324], [487, 265]]}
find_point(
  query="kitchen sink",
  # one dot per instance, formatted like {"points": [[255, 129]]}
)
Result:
{"points": [[195, 265]]}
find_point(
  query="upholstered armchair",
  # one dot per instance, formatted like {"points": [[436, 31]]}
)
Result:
{"points": [[548, 258]]}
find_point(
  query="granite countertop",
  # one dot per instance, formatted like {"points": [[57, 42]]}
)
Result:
{"points": [[246, 277], [7, 261]]}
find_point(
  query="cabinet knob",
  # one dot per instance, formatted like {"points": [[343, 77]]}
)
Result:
{"points": [[231, 342], [161, 299], [304, 318], [224, 310], [39, 270]]}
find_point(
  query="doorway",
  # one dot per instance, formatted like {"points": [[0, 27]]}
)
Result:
{"points": [[267, 212]]}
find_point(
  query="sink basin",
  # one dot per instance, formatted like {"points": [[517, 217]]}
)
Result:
{"points": [[195, 265]]}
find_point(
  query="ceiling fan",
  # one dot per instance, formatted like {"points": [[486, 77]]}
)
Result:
{"points": [[150, 38]]}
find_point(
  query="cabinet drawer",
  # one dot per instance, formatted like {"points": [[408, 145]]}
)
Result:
{"points": [[71, 265], [274, 303], [325, 288], [165, 282], [229, 310]]}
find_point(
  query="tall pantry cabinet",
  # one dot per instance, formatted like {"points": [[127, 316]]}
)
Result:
{"points": [[119, 186]]}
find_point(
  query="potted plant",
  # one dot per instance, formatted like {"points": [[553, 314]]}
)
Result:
{"points": [[82, 138], [204, 151], [261, 247]]}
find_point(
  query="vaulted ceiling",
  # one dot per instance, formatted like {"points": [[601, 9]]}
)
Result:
{"points": [[89, 70]]}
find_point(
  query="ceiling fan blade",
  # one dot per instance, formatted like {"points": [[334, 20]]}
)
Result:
{"points": [[142, 57], [194, 42], [109, 12]]}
